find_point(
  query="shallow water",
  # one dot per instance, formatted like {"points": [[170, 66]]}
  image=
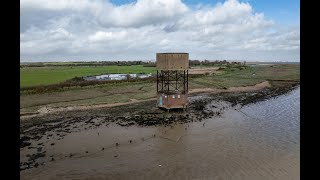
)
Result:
{"points": [[257, 141], [116, 77]]}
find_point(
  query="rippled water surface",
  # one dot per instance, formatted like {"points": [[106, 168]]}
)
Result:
{"points": [[257, 141]]}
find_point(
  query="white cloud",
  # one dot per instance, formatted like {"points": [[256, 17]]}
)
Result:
{"points": [[143, 12], [90, 29], [57, 5], [102, 36]]}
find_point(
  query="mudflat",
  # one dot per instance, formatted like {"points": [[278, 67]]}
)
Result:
{"points": [[221, 135], [242, 123]]}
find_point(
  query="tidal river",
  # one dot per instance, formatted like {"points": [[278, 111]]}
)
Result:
{"points": [[257, 141]]}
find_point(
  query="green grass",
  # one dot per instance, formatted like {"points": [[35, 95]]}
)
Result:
{"points": [[105, 93], [123, 92], [33, 76], [233, 77]]}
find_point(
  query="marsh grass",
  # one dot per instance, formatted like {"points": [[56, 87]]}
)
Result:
{"points": [[277, 75]]}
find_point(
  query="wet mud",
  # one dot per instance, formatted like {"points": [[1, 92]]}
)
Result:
{"points": [[78, 135]]}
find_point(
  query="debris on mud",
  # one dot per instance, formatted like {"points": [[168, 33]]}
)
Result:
{"points": [[24, 141], [245, 98], [56, 126]]}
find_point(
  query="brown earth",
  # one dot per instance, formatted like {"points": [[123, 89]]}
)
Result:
{"points": [[205, 70], [47, 110], [52, 127]]}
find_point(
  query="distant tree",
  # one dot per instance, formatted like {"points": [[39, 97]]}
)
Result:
{"points": [[194, 62]]}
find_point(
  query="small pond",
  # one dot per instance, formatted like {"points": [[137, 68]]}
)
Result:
{"points": [[116, 77]]}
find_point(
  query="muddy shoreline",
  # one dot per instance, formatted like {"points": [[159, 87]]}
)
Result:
{"points": [[54, 127]]}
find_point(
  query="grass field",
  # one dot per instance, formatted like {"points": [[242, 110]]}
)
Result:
{"points": [[32, 76], [233, 77], [123, 92]]}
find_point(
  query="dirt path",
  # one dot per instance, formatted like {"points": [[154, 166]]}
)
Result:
{"points": [[48, 110]]}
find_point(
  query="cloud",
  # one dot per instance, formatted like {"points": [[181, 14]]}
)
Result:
{"points": [[102, 36], [59, 5], [90, 29]]}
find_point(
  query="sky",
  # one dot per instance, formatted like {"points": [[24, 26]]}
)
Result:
{"points": [[91, 30]]}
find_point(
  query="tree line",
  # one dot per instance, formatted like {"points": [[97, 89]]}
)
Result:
{"points": [[216, 62]]}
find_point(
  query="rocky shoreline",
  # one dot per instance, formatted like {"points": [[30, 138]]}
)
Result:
{"points": [[54, 127]]}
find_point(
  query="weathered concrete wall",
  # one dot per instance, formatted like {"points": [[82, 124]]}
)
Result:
{"points": [[172, 61]]}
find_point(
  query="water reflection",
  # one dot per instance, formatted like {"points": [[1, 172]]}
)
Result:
{"points": [[258, 141]]}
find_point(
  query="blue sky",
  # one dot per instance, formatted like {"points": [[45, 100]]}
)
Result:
{"points": [[284, 12], [251, 30]]}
